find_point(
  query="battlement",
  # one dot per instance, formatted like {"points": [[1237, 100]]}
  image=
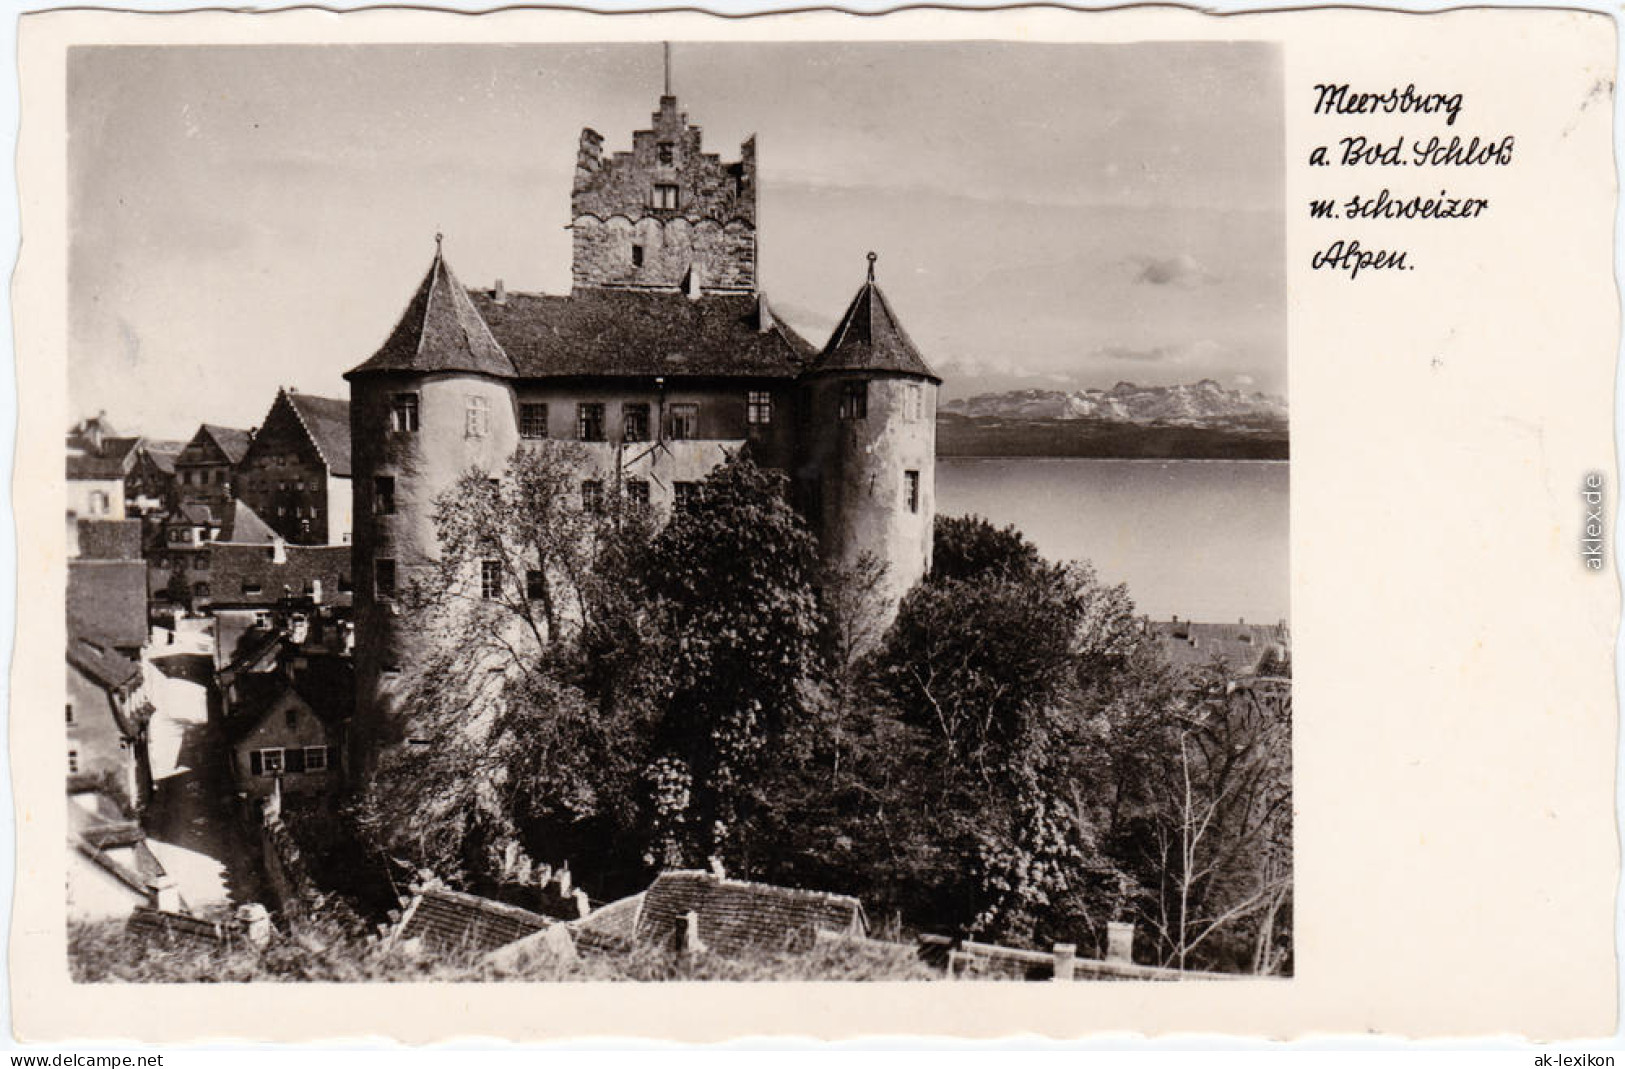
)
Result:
{"points": [[665, 213]]}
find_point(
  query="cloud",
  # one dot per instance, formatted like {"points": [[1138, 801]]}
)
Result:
{"points": [[1182, 270], [1156, 354], [1241, 381]]}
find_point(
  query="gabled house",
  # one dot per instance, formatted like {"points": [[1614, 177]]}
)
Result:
{"points": [[107, 715], [296, 473], [149, 487], [692, 910], [98, 464], [206, 466], [286, 728], [1243, 649]]}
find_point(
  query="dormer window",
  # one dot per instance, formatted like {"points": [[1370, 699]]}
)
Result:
{"points": [[666, 197]]}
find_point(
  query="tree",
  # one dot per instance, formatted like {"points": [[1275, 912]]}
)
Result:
{"points": [[733, 579], [1202, 816], [509, 742]]}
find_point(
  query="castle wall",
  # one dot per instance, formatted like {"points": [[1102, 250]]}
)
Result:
{"points": [[725, 254], [677, 204], [424, 464], [853, 473]]}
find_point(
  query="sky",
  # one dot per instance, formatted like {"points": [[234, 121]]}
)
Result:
{"points": [[1046, 216]]}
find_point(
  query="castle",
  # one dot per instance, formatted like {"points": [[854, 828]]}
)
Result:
{"points": [[664, 359]]}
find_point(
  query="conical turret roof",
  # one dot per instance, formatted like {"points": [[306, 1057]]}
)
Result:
{"points": [[870, 338], [441, 331]]}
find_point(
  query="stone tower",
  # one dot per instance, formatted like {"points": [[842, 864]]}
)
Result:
{"points": [[666, 215], [433, 402], [867, 467]]}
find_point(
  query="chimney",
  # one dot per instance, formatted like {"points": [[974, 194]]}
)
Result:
{"points": [[500, 293], [764, 314], [716, 868], [583, 906], [690, 923], [562, 879], [1120, 942], [163, 895], [255, 922], [315, 591], [1066, 960], [279, 551]]}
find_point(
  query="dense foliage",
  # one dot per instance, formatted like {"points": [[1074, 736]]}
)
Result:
{"points": [[1006, 757]]}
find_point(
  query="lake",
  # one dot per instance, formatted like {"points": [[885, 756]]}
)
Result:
{"points": [[1202, 539]]}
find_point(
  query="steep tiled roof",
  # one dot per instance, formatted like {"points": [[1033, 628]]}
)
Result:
{"points": [[243, 526], [86, 466], [641, 333], [610, 927], [327, 419], [180, 928], [195, 515], [107, 601], [163, 454], [106, 667], [110, 539], [1240, 645], [232, 442], [736, 916], [871, 338], [249, 575], [440, 331], [451, 921]]}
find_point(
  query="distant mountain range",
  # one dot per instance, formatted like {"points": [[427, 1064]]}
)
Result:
{"points": [[1200, 420], [1201, 403]]}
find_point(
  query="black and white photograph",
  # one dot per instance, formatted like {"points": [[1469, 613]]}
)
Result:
{"points": [[688, 510]]}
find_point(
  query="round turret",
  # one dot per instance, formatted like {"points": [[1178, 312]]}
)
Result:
{"points": [[868, 469]]}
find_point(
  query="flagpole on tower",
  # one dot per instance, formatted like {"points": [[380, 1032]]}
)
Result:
{"points": [[665, 49]]}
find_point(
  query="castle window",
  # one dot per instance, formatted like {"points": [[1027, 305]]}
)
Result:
{"points": [[911, 490], [665, 152], [200, 590], [683, 494], [403, 412], [490, 579], [666, 197], [383, 578], [477, 417], [535, 588], [913, 402], [637, 256], [758, 407], [637, 492], [685, 422], [533, 421], [590, 421], [592, 496], [70, 712], [855, 400], [635, 422], [315, 759], [73, 762]]}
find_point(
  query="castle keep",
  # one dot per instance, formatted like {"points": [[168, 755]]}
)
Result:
{"points": [[664, 359]]}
